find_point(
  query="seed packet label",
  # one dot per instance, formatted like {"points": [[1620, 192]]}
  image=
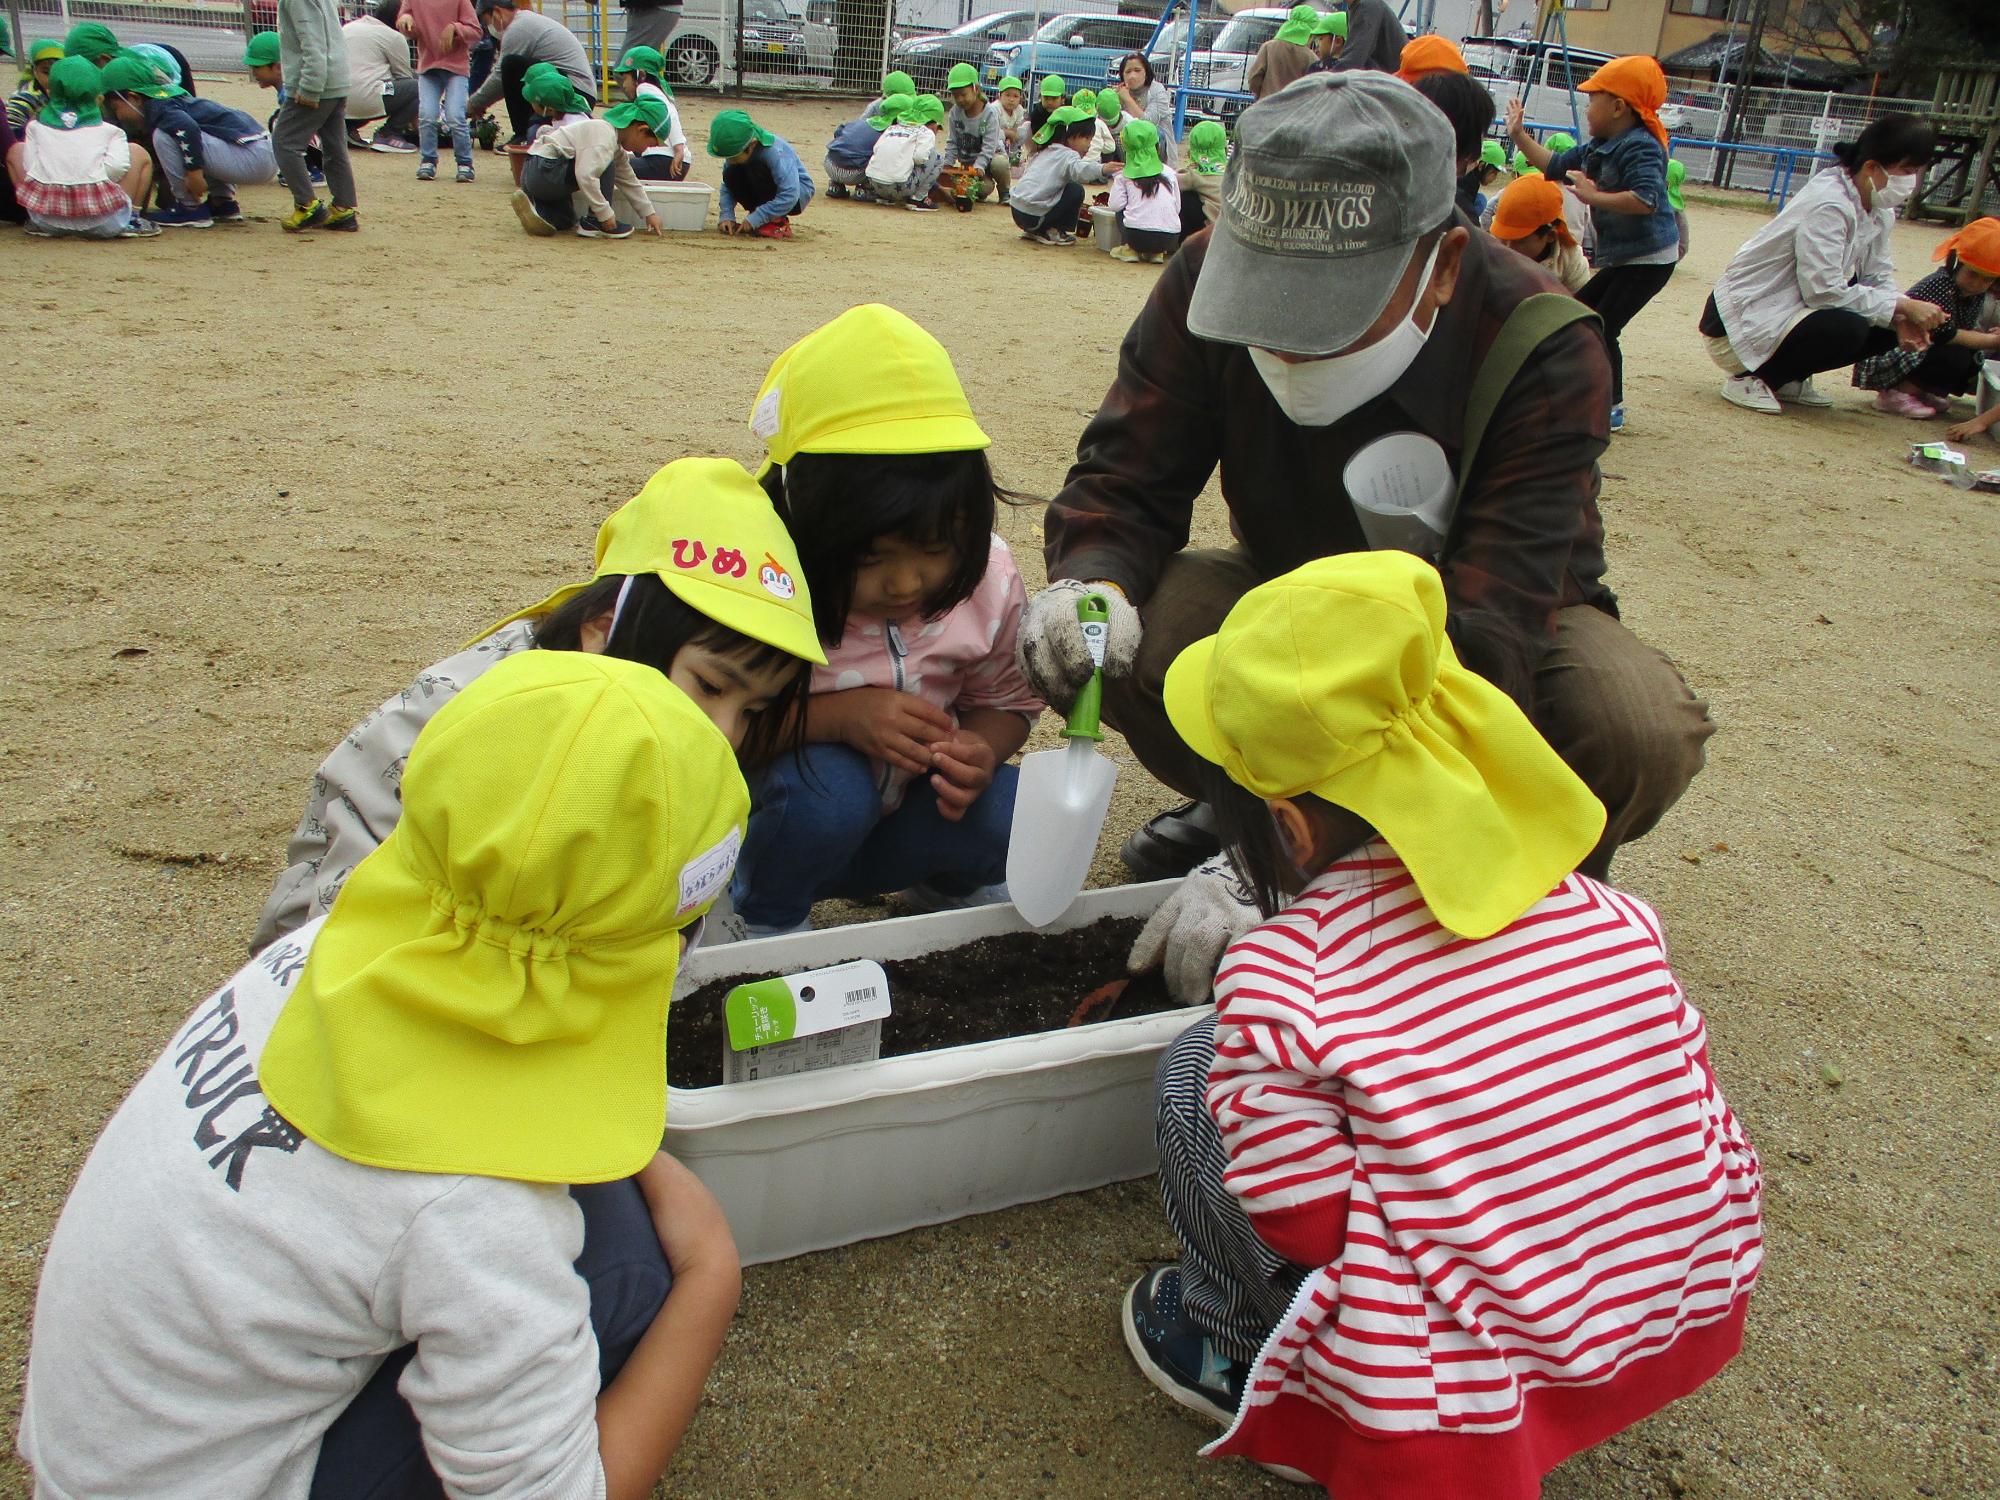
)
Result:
{"points": [[704, 876], [828, 1049], [764, 418], [822, 1018]]}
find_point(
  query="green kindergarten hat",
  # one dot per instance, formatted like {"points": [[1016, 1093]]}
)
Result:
{"points": [[1562, 140], [1053, 87], [648, 111], [962, 75], [927, 109], [732, 130], [129, 73], [1108, 107], [1522, 166], [1676, 175], [262, 51], [75, 86], [1299, 24], [896, 81], [1208, 147], [93, 39], [645, 61], [1332, 23], [48, 49], [1009, 82], [1493, 155], [1142, 149], [549, 91], [895, 110], [1085, 100], [1068, 115]]}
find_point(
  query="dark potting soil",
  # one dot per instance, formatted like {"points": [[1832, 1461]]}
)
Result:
{"points": [[1012, 985]]}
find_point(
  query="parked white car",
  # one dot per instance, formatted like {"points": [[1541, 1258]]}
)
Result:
{"points": [[1542, 75]]}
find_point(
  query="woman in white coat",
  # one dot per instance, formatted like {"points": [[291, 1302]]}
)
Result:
{"points": [[1815, 289]]}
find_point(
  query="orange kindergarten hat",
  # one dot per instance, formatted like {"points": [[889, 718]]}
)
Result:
{"points": [[1429, 54], [1527, 204], [1639, 82], [1978, 246]]}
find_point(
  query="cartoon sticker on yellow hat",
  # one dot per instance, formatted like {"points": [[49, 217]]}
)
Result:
{"points": [[777, 578]]}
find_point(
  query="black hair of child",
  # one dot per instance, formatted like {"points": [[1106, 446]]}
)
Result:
{"points": [[653, 627], [388, 11], [836, 504], [1084, 130], [1465, 104], [1147, 186], [1891, 140], [1250, 838]]}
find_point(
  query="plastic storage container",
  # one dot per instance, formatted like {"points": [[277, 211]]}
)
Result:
{"points": [[813, 1160], [680, 205], [1104, 226]]}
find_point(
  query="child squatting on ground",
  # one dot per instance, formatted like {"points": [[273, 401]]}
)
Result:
{"points": [[389, 1211], [761, 173], [205, 149], [1048, 200], [588, 158], [696, 578], [1923, 382], [1456, 1190], [880, 473], [1621, 176], [908, 155], [1146, 198], [642, 74], [74, 173], [1528, 219], [853, 146]]}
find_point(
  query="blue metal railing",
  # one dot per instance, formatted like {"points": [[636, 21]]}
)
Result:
{"points": [[1785, 160]]}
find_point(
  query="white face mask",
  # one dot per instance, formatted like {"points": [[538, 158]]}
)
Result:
{"points": [[1319, 392], [1898, 190]]}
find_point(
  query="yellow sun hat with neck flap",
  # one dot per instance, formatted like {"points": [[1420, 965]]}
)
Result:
{"points": [[707, 531], [1338, 679], [871, 381], [489, 994]]}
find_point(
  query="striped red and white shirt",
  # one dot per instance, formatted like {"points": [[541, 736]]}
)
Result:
{"points": [[1534, 1218]]}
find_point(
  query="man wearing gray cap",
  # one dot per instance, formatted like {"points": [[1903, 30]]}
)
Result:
{"points": [[1367, 370]]}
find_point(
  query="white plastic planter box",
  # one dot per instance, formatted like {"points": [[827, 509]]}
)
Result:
{"points": [[813, 1160], [1104, 225], [680, 205]]}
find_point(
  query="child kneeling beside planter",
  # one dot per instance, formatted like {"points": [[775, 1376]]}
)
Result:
{"points": [[1456, 1190], [330, 1239]]}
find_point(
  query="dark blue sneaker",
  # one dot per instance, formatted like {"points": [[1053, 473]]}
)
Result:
{"points": [[183, 216], [1174, 1354], [225, 210], [592, 231], [1618, 417]]}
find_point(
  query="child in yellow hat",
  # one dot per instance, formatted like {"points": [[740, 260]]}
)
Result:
{"points": [[696, 577], [1456, 1190], [389, 1211], [881, 474]]}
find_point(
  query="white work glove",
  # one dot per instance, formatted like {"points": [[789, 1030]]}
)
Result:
{"points": [[1052, 652], [1186, 936]]}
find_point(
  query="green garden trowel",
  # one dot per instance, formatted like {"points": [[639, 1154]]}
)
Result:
{"points": [[1060, 802]]}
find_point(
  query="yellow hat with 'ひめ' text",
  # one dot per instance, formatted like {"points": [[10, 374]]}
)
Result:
{"points": [[489, 993], [708, 531], [871, 381], [1338, 679]]}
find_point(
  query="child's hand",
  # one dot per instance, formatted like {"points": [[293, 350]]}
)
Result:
{"points": [[886, 725], [1515, 115], [407, 24], [653, 224], [304, 103], [964, 769], [728, 226], [448, 39], [1583, 187], [196, 183]]}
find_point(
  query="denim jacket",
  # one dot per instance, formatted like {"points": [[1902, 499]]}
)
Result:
{"points": [[1633, 162]]}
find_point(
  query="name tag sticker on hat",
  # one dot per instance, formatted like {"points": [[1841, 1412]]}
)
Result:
{"points": [[1403, 493], [704, 876], [798, 1023], [764, 415]]}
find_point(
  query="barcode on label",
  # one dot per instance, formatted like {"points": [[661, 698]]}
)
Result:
{"points": [[866, 992]]}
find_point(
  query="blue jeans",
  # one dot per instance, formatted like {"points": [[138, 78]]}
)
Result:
{"points": [[375, 1450], [435, 88], [819, 833]]}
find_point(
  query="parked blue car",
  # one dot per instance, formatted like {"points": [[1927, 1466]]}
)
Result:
{"points": [[1082, 49]]}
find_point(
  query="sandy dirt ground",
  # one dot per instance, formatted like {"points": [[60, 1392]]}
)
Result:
{"points": [[256, 481]]}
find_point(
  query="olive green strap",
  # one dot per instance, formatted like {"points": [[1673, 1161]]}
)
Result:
{"points": [[1534, 320]]}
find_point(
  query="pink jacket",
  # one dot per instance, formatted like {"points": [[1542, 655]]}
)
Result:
{"points": [[963, 661], [431, 18]]}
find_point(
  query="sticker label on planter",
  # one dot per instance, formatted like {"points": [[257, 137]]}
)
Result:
{"points": [[823, 1018]]}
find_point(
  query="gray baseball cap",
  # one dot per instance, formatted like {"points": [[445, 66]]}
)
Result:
{"points": [[1332, 182]]}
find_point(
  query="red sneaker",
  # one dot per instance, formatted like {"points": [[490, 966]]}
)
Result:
{"points": [[777, 229]]}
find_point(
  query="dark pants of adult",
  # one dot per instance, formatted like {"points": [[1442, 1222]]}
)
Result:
{"points": [[1616, 294], [375, 1450], [1830, 339], [1147, 241], [401, 104], [551, 184], [650, 25], [1614, 708], [480, 62], [651, 167], [750, 184], [1062, 217], [519, 115]]}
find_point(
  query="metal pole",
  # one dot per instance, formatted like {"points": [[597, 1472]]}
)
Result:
{"points": [[1187, 67], [1753, 50], [736, 51]]}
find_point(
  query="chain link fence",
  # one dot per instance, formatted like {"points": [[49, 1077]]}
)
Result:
{"points": [[210, 34]]}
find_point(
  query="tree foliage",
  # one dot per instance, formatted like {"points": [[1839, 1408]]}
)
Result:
{"points": [[1905, 41]]}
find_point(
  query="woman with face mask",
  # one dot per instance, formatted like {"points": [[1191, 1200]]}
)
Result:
{"points": [[1814, 289]]}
